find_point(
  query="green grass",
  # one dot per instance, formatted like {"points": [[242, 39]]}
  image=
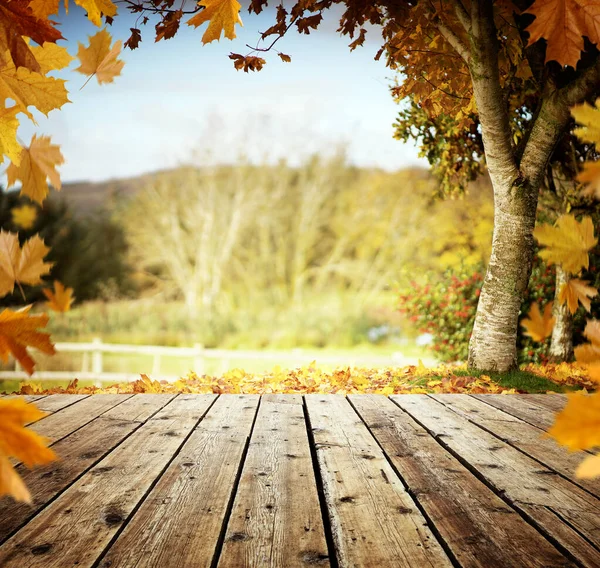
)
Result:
{"points": [[520, 380]]}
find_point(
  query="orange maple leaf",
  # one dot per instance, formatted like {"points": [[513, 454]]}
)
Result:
{"points": [[18, 330], [222, 16], [536, 326], [563, 23], [100, 59], [61, 299], [37, 163], [21, 443], [18, 20], [21, 265], [577, 426], [576, 292]]}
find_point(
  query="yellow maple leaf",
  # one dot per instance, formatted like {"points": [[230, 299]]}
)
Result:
{"points": [[41, 9], [568, 242], [536, 326], [22, 265], [577, 426], [24, 216], [99, 58], [21, 443], [222, 16], [61, 299], [28, 88], [589, 467], [589, 118], [576, 292], [38, 163], [9, 146], [95, 8], [18, 330], [51, 57]]}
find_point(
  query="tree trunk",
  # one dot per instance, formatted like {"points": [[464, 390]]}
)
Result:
{"points": [[561, 346], [493, 341]]}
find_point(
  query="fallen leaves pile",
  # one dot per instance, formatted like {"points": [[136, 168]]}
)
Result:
{"points": [[310, 379]]}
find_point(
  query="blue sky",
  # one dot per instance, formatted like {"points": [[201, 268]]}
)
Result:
{"points": [[178, 100]]}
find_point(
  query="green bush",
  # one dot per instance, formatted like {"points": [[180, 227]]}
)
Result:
{"points": [[446, 309]]}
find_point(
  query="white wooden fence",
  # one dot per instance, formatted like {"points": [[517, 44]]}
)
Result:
{"points": [[92, 367]]}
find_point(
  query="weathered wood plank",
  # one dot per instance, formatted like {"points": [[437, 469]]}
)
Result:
{"points": [[521, 406], [25, 397], [374, 522], [554, 402], [276, 519], [477, 526], [61, 423], [527, 485], [523, 436], [77, 453], [55, 402], [180, 521], [76, 528]]}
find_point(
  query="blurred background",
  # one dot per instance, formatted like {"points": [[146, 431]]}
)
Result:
{"points": [[257, 219]]}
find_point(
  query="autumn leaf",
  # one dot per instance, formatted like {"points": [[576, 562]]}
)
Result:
{"points": [[563, 23], [576, 292], [21, 265], [99, 58], [60, 299], [28, 88], [18, 330], [589, 468], [590, 177], [51, 57], [146, 385], [588, 117], [17, 20], [285, 58], [222, 16], [38, 162], [9, 146], [24, 216], [568, 242], [247, 62], [536, 326], [95, 9], [43, 8], [577, 426], [21, 443]]}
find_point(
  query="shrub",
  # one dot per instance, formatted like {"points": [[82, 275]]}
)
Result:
{"points": [[446, 308]]}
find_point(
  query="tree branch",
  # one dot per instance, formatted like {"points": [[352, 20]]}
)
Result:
{"points": [[456, 43], [485, 73], [553, 118], [461, 13]]}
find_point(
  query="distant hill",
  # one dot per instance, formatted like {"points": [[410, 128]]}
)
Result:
{"points": [[85, 197]]}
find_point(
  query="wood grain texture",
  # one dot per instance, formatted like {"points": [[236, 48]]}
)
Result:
{"points": [[527, 485], [181, 520], [374, 521], [466, 512], [76, 454], [75, 529], [523, 436], [276, 519], [65, 421], [524, 407]]}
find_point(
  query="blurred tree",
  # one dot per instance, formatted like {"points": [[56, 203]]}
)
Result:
{"points": [[89, 252]]}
